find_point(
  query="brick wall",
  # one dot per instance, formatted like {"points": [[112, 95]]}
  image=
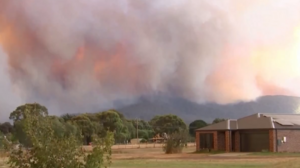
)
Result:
{"points": [[272, 141], [197, 141], [237, 141], [221, 141], [216, 147], [227, 141], [292, 138]]}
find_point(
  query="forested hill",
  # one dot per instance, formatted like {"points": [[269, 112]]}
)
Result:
{"points": [[146, 108], [185, 114]]}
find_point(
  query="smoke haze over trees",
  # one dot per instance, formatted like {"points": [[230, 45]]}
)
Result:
{"points": [[84, 56]]}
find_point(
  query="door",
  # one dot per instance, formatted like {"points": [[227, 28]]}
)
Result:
{"points": [[254, 141], [206, 141]]}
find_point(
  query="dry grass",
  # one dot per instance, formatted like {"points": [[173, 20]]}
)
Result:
{"points": [[293, 163], [155, 158], [138, 146], [3, 163]]}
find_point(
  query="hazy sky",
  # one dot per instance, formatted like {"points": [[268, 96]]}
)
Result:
{"points": [[78, 55], [10, 99]]}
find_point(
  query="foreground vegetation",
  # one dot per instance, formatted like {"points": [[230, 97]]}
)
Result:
{"points": [[38, 140], [46, 147]]}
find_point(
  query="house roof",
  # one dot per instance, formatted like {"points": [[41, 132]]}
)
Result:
{"points": [[223, 125], [258, 121]]}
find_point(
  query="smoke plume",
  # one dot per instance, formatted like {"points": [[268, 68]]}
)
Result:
{"points": [[78, 55]]}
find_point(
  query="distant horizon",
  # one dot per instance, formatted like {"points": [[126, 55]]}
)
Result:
{"points": [[146, 109]]}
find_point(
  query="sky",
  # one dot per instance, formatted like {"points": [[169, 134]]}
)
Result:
{"points": [[85, 56]]}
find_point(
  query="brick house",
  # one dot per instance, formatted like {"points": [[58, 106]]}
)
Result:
{"points": [[254, 133]]}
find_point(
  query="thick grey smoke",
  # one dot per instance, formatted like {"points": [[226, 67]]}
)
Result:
{"points": [[10, 96], [78, 55]]}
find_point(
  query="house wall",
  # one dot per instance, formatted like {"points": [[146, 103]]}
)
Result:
{"points": [[293, 140], [237, 138], [204, 132], [272, 141], [227, 141], [221, 141], [254, 140], [237, 143]]}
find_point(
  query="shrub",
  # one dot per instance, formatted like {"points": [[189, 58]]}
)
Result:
{"points": [[176, 142], [1, 140], [143, 141], [49, 150]]}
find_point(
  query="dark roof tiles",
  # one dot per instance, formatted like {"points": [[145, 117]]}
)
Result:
{"points": [[257, 121]]}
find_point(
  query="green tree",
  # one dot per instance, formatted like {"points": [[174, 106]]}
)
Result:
{"points": [[131, 129], [18, 115], [67, 117], [1, 140], [33, 109], [92, 117], [86, 127], [196, 125], [120, 114], [112, 121], [167, 124], [145, 130], [6, 128], [217, 120], [48, 150], [19, 133], [62, 128]]}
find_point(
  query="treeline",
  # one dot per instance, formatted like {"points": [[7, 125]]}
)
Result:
{"points": [[89, 124]]}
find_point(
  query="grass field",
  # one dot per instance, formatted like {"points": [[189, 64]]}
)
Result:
{"points": [[155, 158]]}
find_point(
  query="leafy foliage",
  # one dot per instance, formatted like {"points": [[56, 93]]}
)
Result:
{"points": [[145, 130], [217, 120], [67, 117], [167, 124], [86, 127], [33, 109], [112, 121], [176, 142], [50, 150], [6, 128], [20, 134], [1, 141], [196, 125]]}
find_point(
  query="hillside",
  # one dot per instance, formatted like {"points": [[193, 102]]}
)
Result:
{"points": [[146, 108]]}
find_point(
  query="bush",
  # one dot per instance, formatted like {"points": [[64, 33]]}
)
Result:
{"points": [[143, 141], [176, 142], [49, 150], [1, 140]]}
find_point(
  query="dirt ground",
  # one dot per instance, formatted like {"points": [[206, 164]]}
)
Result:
{"points": [[146, 156], [188, 154], [154, 156], [138, 146]]}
